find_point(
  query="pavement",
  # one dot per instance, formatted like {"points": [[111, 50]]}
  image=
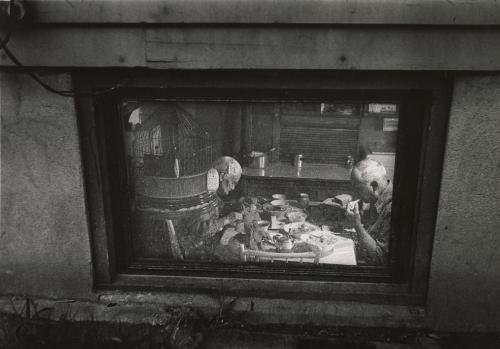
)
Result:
{"points": [[21, 332]]}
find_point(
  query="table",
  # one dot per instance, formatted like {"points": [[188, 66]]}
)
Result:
{"points": [[343, 253]]}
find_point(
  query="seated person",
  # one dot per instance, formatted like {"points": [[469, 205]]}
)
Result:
{"points": [[229, 175], [370, 182], [203, 231]]}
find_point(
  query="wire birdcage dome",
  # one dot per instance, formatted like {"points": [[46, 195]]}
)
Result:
{"points": [[177, 144], [175, 152]]}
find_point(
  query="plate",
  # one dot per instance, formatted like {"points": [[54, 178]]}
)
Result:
{"points": [[279, 203], [320, 237], [298, 228], [322, 241], [296, 216], [331, 202]]}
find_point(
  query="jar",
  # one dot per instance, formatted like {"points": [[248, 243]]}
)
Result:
{"points": [[297, 160], [303, 200]]}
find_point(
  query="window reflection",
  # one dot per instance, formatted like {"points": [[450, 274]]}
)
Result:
{"points": [[244, 182]]}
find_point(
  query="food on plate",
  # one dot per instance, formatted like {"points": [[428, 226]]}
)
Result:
{"points": [[321, 238], [300, 247], [298, 228], [267, 245], [276, 224], [321, 242], [296, 216], [343, 199]]}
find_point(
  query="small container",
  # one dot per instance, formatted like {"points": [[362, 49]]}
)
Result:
{"points": [[259, 161], [286, 244], [303, 200], [349, 162], [279, 196], [279, 203], [297, 160], [262, 226]]}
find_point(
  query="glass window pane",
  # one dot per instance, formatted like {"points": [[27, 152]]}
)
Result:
{"points": [[294, 183]]}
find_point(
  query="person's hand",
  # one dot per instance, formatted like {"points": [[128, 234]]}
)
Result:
{"points": [[353, 215], [231, 217]]}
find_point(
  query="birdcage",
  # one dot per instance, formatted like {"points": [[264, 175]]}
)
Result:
{"points": [[175, 153]]}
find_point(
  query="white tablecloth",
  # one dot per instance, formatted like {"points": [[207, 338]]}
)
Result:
{"points": [[343, 253]]}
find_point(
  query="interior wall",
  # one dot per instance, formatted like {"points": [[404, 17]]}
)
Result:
{"points": [[373, 138], [44, 238], [464, 292]]}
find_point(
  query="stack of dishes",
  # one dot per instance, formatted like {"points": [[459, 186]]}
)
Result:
{"points": [[175, 204]]}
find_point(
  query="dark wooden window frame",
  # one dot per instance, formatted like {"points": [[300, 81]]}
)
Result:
{"points": [[424, 100]]}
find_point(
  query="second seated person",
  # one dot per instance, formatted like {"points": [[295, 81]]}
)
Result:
{"points": [[369, 179]]}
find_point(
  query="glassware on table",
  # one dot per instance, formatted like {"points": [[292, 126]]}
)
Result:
{"points": [[303, 200]]}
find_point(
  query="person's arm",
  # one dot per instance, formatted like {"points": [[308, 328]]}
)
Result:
{"points": [[219, 223], [375, 249], [366, 241]]}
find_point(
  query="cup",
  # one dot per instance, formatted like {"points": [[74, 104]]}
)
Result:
{"points": [[261, 230], [286, 244], [303, 200], [262, 226], [297, 160]]}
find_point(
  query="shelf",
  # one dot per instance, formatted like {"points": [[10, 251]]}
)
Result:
{"points": [[307, 171]]}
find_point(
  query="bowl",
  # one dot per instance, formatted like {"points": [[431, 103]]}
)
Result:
{"points": [[279, 203], [279, 196], [275, 213], [262, 225]]}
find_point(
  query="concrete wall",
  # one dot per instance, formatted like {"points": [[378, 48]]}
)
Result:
{"points": [[44, 239], [464, 288]]}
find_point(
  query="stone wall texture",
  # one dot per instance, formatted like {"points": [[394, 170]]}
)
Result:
{"points": [[44, 239], [464, 290]]}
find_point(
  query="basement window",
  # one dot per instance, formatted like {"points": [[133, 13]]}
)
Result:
{"points": [[270, 188]]}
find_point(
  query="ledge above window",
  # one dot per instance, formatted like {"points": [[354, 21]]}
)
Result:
{"points": [[381, 12]]}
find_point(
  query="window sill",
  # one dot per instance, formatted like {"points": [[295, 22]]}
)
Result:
{"points": [[286, 312], [343, 291]]}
